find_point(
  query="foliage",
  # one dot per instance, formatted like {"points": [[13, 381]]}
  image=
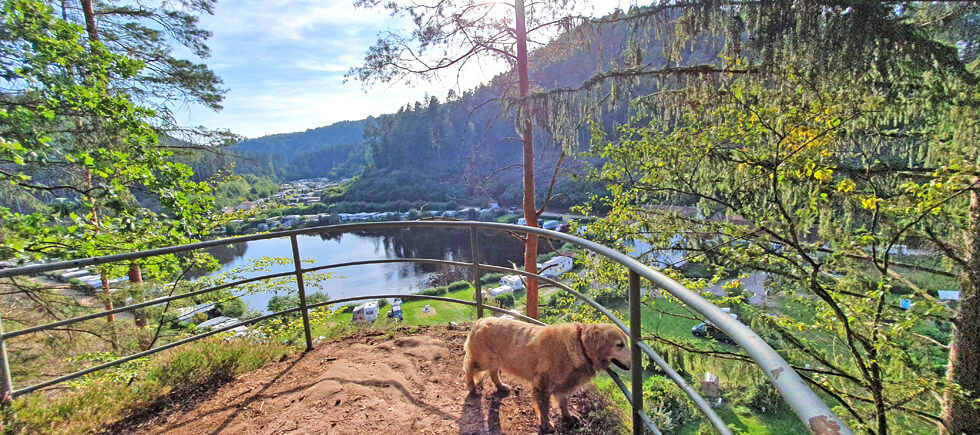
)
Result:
{"points": [[816, 180], [665, 403], [435, 291], [100, 400], [458, 285], [505, 300], [763, 396], [491, 278], [70, 132]]}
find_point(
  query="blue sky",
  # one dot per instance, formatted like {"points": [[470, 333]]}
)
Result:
{"points": [[283, 63]]}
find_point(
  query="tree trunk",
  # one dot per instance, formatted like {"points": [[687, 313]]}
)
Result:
{"points": [[108, 297], [89, 11], [530, 211], [960, 414], [136, 278]]}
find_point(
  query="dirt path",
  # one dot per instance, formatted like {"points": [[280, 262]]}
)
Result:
{"points": [[370, 384]]}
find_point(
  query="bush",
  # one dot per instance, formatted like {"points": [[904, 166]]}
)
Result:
{"points": [[505, 300], [545, 257], [282, 303], [666, 404], [698, 271], [231, 308], [200, 317], [435, 291], [382, 303], [459, 285], [762, 396], [491, 278]]}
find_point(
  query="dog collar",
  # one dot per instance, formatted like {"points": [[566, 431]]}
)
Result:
{"points": [[581, 345]]}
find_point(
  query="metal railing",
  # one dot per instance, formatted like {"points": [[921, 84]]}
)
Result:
{"points": [[812, 411]]}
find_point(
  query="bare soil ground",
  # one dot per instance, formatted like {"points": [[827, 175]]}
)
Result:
{"points": [[370, 383]]}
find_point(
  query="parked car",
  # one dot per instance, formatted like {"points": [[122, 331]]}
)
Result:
{"points": [[551, 225], [705, 330], [523, 221], [563, 228]]}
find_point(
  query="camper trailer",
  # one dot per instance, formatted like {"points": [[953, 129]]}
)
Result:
{"points": [[366, 312], [556, 266], [512, 281]]}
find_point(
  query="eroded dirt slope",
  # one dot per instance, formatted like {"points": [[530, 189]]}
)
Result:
{"points": [[370, 384]]}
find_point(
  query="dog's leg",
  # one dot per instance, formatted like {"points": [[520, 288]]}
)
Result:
{"points": [[542, 404], [567, 416], [495, 377], [470, 368]]}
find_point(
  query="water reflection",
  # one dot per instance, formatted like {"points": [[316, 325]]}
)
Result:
{"points": [[449, 244]]}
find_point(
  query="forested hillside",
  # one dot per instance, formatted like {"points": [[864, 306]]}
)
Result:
{"points": [[464, 147]]}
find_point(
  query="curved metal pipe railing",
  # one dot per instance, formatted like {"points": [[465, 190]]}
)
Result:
{"points": [[804, 402]]}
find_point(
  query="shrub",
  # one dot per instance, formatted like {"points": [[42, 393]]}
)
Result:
{"points": [[458, 285], [435, 291], [231, 308], [491, 278], [762, 396], [698, 271], [545, 257], [666, 404], [382, 303], [282, 303], [552, 300], [505, 300]]}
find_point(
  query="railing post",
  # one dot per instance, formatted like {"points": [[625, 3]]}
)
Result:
{"points": [[6, 385], [637, 356], [302, 293], [475, 252]]}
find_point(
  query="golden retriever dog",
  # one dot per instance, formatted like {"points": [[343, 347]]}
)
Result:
{"points": [[554, 359]]}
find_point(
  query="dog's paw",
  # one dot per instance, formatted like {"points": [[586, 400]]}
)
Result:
{"points": [[546, 428], [504, 388], [571, 420]]}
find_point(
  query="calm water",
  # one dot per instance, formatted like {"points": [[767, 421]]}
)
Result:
{"points": [[496, 248]]}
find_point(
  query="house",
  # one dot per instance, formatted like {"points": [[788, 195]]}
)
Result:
{"points": [[217, 322], [187, 313], [512, 281], [667, 256], [290, 220], [556, 267], [245, 206], [949, 295]]}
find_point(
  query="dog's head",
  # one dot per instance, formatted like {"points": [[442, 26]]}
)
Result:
{"points": [[607, 344]]}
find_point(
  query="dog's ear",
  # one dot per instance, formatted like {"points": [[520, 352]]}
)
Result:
{"points": [[595, 340]]}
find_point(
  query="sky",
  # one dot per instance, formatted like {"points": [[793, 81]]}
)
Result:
{"points": [[283, 64]]}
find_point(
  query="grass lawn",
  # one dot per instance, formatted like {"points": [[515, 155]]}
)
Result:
{"points": [[742, 420]]}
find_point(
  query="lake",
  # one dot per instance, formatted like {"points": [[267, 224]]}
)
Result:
{"points": [[448, 244]]}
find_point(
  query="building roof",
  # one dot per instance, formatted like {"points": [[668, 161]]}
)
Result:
{"points": [[949, 295]]}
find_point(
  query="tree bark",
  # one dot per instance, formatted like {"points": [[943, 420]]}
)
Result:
{"points": [[106, 292], [89, 11], [530, 210], [136, 278], [960, 414]]}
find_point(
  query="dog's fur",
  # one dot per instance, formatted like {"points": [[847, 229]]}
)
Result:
{"points": [[555, 359]]}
